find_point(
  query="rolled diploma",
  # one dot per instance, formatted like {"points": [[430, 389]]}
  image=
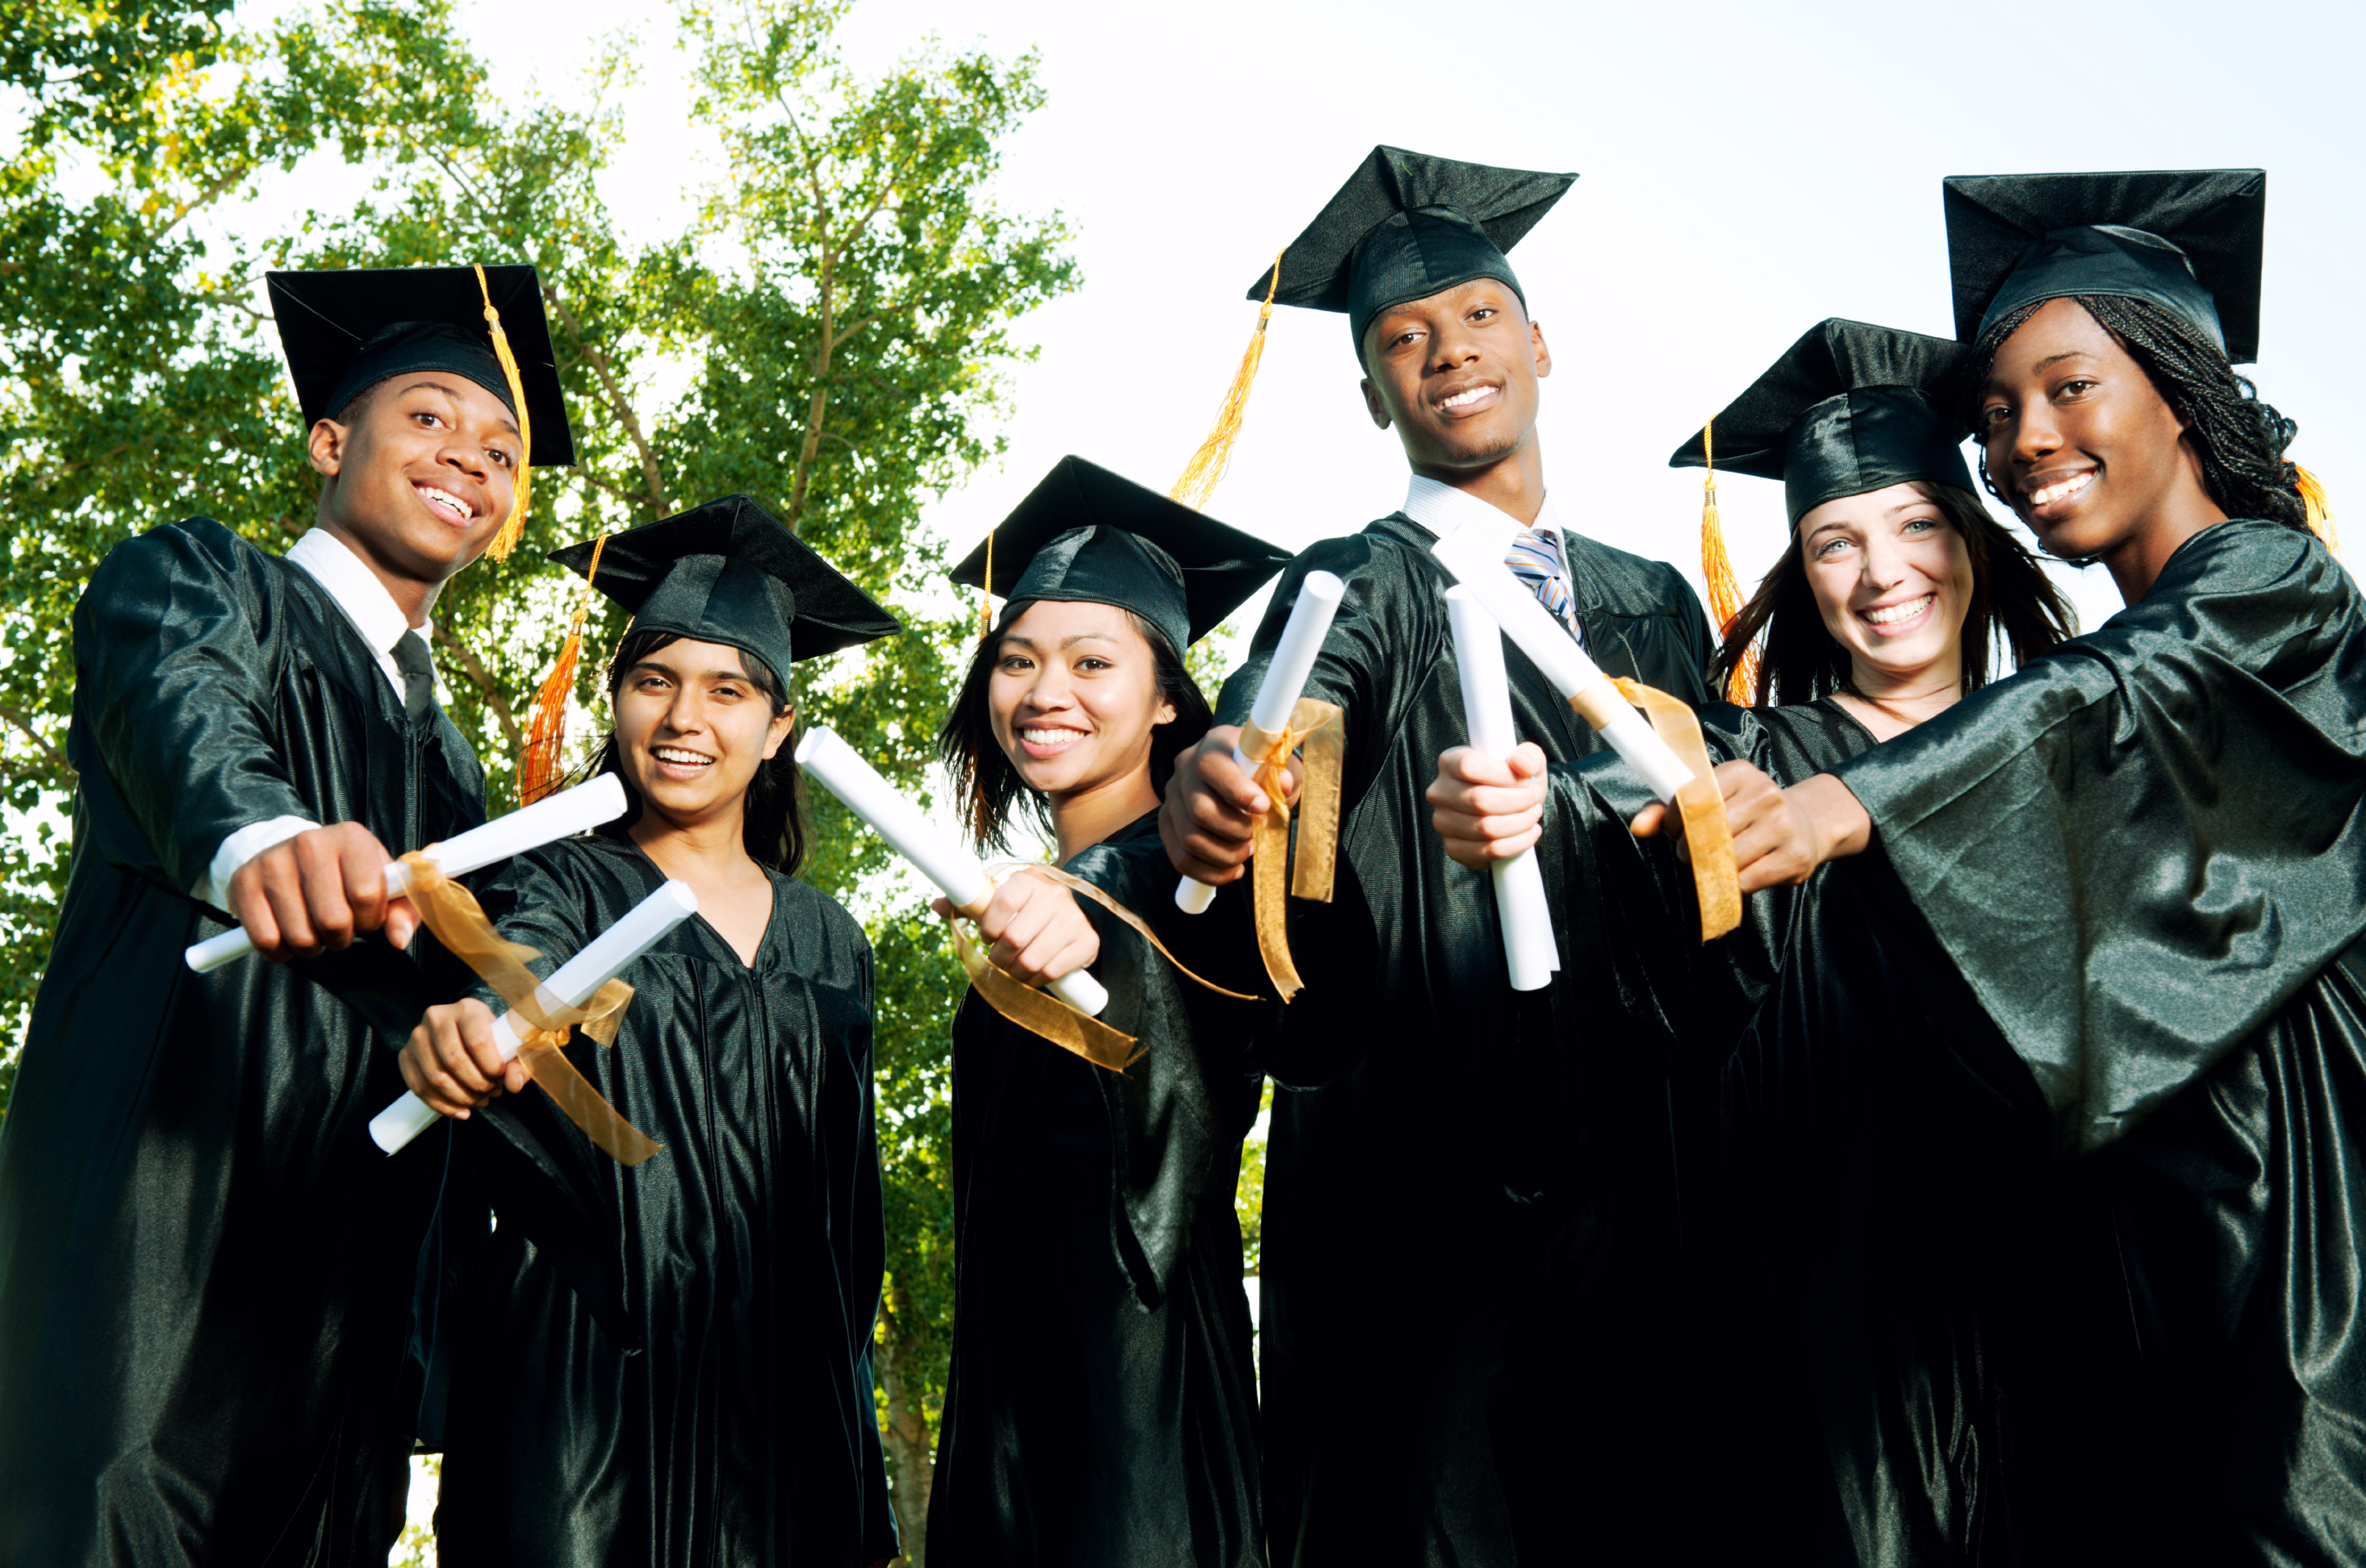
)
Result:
{"points": [[1475, 556], [935, 854], [1284, 684], [555, 817], [1528, 946], [569, 985]]}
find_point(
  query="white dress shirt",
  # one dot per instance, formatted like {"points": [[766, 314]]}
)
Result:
{"points": [[330, 562], [1443, 509]]}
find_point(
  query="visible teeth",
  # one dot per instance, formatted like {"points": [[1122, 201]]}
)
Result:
{"points": [[446, 500], [2061, 489], [1459, 398], [675, 754], [1048, 737], [1893, 614]]}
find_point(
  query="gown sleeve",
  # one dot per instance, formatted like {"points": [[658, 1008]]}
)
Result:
{"points": [[2141, 847], [173, 700]]}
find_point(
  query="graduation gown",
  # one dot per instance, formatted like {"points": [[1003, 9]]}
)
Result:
{"points": [[751, 1252], [204, 1264], [1465, 1347], [1860, 1419], [1102, 1406]]}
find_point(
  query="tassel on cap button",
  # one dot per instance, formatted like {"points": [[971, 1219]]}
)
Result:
{"points": [[1205, 469], [539, 770], [1716, 570], [506, 540]]}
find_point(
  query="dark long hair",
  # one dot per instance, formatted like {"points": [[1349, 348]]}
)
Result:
{"points": [[2012, 597], [2240, 439], [982, 770], [774, 828]]}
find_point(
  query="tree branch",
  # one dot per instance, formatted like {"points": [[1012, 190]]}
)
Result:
{"points": [[651, 474], [482, 678], [57, 758]]}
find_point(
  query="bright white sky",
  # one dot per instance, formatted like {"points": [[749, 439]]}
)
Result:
{"points": [[1746, 169]]}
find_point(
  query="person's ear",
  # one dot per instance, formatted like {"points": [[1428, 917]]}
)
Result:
{"points": [[1166, 715], [1372, 404], [325, 447], [780, 732], [1543, 354]]}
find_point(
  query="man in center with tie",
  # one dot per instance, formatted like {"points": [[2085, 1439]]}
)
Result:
{"points": [[1473, 1348]]}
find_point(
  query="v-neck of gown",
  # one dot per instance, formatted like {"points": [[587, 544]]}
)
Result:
{"points": [[772, 880]]}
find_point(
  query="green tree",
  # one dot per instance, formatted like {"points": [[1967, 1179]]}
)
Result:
{"points": [[841, 312]]}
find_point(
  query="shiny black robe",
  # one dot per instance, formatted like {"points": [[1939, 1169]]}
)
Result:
{"points": [[1472, 1347], [750, 1253], [1839, 1234], [1102, 1407], [2124, 893], [204, 1264]]}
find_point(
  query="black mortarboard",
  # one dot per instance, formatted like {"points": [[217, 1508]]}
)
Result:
{"points": [[1086, 533], [1846, 410], [345, 332], [1406, 226], [2187, 239], [730, 572]]}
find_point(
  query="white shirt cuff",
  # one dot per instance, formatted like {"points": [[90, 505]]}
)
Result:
{"points": [[243, 847]]}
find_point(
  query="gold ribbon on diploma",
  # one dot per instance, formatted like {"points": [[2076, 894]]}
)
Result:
{"points": [[1708, 840], [458, 921], [1321, 728], [1047, 1015]]}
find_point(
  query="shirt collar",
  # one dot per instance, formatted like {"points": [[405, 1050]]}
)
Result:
{"points": [[331, 563], [1442, 509]]}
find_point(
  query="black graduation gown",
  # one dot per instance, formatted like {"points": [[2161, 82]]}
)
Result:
{"points": [[1859, 1415], [204, 1264], [1466, 1350], [2116, 901], [1103, 1406], [750, 1252]]}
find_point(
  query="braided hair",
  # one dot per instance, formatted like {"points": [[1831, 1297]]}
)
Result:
{"points": [[2240, 440]]}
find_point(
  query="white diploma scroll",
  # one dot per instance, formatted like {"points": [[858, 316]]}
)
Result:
{"points": [[570, 985], [1475, 555], [933, 852], [1528, 944], [548, 820], [1284, 684]]}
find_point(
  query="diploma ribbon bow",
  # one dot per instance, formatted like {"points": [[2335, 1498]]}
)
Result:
{"points": [[1709, 839], [458, 921], [1047, 1015], [1321, 728]]}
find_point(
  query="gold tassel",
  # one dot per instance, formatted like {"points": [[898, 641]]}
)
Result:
{"points": [[986, 594], [1205, 469], [540, 769], [1716, 570], [2320, 508], [506, 540]]}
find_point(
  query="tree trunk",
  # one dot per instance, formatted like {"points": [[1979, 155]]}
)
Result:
{"points": [[909, 1454]]}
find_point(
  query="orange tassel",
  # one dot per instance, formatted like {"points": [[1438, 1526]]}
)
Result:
{"points": [[506, 540], [2320, 508], [986, 594], [1205, 469], [1716, 570], [540, 769]]}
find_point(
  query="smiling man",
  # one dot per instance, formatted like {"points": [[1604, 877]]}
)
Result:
{"points": [[1466, 1356], [206, 1268]]}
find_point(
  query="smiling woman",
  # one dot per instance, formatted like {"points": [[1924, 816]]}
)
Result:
{"points": [[1102, 1407], [712, 1308]]}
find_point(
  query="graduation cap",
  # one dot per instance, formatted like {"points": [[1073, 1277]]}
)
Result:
{"points": [[1085, 534], [1846, 410], [1406, 226], [2187, 239], [346, 331], [730, 572]]}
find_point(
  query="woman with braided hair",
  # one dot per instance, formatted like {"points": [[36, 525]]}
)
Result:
{"points": [[2122, 895]]}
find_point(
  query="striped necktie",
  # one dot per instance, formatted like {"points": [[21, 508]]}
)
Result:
{"points": [[1536, 562]]}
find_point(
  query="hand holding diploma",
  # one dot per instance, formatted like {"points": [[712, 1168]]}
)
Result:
{"points": [[315, 891], [932, 851], [1529, 948], [544, 1008]]}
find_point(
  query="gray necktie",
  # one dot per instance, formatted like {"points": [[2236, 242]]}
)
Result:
{"points": [[418, 674]]}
